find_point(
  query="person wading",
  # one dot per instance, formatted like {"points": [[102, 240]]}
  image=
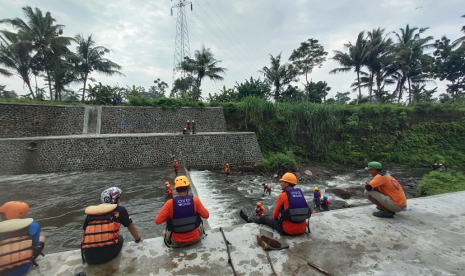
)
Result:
{"points": [[102, 242], [20, 240], [175, 166], [183, 216], [384, 191], [259, 210], [290, 212]]}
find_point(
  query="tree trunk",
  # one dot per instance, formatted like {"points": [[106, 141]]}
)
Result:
{"points": [[49, 85], [30, 89], [359, 89], [409, 92], [84, 88]]}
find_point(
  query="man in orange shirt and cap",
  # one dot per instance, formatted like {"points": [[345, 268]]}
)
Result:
{"points": [[183, 215], [290, 212], [384, 191]]}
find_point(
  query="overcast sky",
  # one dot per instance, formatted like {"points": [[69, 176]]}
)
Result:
{"points": [[241, 33]]}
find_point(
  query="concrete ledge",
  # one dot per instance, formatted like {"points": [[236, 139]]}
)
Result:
{"points": [[429, 240]]}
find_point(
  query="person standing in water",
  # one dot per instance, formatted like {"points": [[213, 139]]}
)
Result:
{"points": [[175, 166], [227, 170]]}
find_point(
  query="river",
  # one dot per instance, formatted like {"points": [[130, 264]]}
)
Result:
{"points": [[57, 200]]}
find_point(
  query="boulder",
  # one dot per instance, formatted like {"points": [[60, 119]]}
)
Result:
{"points": [[308, 172], [275, 176], [339, 192]]}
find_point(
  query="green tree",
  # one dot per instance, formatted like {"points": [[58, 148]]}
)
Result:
{"points": [[449, 64], [157, 91], [5, 72], [254, 88], [421, 95], [15, 56], [309, 55], [279, 75], [355, 58], [182, 86], [41, 33], [91, 58], [7, 94], [316, 92], [461, 39], [410, 55], [342, 98], [226, 95], [203, 65]]}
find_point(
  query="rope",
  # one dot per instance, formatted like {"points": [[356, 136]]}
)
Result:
{"points": [[227, 249], [269, 260]]}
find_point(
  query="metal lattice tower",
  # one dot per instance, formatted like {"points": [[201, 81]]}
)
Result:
{"points": [[181, 45]]}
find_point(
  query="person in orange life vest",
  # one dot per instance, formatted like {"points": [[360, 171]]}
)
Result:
{"points": [[175, 166], [290, 212], [266, 189], [317, 198], [183, 216], [227, 169], [325, 203], [384, 191], [259, 210], [102, 241], [188, 126], [169, 190], [20, 240]]}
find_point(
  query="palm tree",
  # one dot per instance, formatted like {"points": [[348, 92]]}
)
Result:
{"points": [[42, 33], [410, 55], [355, 59], [15, 56], [203, 65], [91, 58], [462, 39], [5, 72], [279, 74]]}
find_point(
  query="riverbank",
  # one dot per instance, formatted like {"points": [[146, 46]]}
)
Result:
{"points": [[417, 242]]}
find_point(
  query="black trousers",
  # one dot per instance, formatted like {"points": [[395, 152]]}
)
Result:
{"points": [[271, 222], [104, 254]]}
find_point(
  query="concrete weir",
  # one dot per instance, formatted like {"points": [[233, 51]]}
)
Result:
{"points": [[429, 240]]}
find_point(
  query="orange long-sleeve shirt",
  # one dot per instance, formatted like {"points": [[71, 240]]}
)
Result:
{"points": [[166, 213], [288, 227]]}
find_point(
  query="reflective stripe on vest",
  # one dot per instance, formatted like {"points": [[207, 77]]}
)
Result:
{"points": [[15, 248], [184, 217], [101, 231], [298, 210]]}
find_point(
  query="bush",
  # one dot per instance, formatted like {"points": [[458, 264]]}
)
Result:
{"points": [[278, 163], [435, 183]]}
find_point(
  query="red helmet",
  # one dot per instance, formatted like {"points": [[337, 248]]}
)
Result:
{"points": [[14, 209]]}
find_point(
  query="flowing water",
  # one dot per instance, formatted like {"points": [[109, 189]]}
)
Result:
{"points": [[57, 200]]}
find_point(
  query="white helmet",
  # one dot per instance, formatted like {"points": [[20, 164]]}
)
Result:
{"points": [[111, 195], [192, 120]]}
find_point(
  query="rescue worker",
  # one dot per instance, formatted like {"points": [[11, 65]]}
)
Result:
{"points": [[259, 210], [325, 203], [227, 170], [169, 190], [188, 127], [266, 189], [193, 127], [184, 131], [384, 191], [175, 166], [435, 167], [290, 212], [317, 198], [183, 216], [102, 241], [442, 168], [20, 240]]}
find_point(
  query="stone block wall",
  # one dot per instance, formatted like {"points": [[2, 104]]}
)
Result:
{"points": [[27, 120], [47, 154], [135, 119]]}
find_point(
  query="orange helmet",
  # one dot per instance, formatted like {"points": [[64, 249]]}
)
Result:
{"points": [[181, 181], [259, 204], [14, 209], [290, 178]]}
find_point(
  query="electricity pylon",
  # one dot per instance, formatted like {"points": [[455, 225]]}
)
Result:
{"points": [[181, 44]]}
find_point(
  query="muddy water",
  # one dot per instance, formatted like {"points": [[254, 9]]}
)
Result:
{"points": [[57, 200]]}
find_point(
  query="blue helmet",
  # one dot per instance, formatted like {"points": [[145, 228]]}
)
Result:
{"points": [[325, 197]]}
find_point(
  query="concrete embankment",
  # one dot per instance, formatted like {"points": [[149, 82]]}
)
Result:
{"points": [[429, 240]]}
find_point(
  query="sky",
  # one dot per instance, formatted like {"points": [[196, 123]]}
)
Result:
{"points": [[241, 33]]}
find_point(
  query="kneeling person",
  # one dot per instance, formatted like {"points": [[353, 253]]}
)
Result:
{"points": [[183, 216], [290, 212], [20, 240], [102, 242]]}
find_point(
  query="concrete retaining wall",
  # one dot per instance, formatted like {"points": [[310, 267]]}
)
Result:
{"points": [[27, 120], [82, 152], [135, 119]]}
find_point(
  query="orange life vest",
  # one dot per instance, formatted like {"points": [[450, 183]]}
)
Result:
{"points": [[268, 187], [259, 211], [15, 249], [101, 230], [175, 165], [227, 169]]}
